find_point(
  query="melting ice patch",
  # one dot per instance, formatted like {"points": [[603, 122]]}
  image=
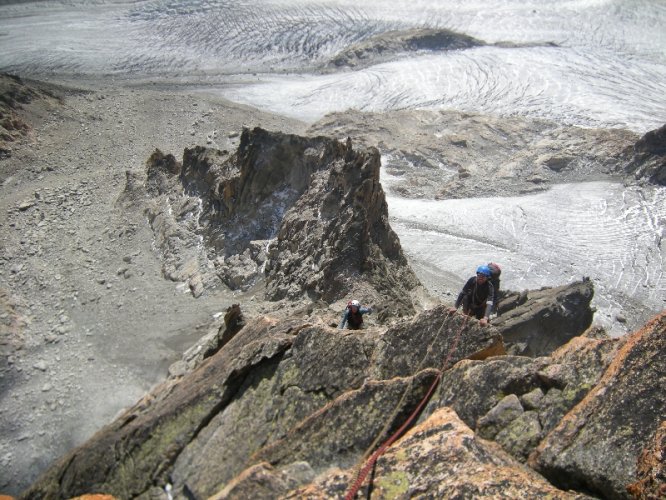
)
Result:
{"points": [[606, 231]]}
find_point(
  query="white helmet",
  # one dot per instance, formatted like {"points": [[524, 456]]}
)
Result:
{"points": [[355, 303]]}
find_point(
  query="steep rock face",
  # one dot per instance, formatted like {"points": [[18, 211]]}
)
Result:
{"points": [[649, 157], [550, 319], [597, 445], [307, 216], [283, 401], [326, 403]]}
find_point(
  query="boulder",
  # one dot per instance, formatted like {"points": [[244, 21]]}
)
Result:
{"points": [[433, 339], [539, 321], [516, 400], [596, 446]]}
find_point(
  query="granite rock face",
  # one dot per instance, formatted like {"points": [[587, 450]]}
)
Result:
{"points": [[280, 390], [442, 458], [291, 408], [517, 400], [598, 444]]}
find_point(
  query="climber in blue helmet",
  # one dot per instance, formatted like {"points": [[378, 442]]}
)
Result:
{"points": [[477, 296]]}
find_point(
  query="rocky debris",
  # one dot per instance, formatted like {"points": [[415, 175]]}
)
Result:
{"points": [[14, 95], [390, 45], [649, 157], [450, 154], [597, 445], [549, 319], [305, 215]]}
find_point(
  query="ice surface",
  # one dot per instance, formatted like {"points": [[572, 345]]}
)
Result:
{"points": [[592, 63], [605, 231]]}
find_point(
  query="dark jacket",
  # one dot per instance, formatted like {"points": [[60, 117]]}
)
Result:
{"points": [[354, 320], [479, 295]]}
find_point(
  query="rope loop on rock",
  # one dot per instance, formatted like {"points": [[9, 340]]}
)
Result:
{"points": [[363, 473]]}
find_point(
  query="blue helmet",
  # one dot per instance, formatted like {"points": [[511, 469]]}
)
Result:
{"points": [[485, 270]]}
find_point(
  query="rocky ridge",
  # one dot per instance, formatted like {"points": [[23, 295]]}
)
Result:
{"points": [[297, 404], [273, 372]]}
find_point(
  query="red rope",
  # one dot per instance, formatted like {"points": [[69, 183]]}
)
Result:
{"points": [[373, 458]]}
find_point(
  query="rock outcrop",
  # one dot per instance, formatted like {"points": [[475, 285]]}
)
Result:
{"points": [[284, 391], [392, 44], [517, 400], [302, 216], [14, 96], [649, 157], [550, 319], [442, 458]]}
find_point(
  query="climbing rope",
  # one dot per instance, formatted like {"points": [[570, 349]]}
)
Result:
{"points": [[363, 473]]}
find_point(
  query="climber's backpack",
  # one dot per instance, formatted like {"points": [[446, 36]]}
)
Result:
{"points": [[495, 270]]}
